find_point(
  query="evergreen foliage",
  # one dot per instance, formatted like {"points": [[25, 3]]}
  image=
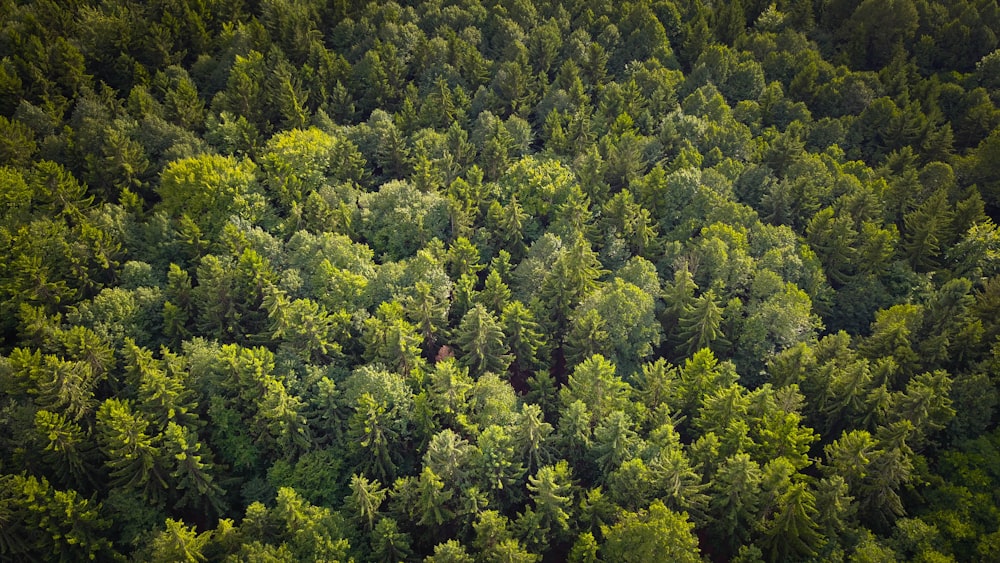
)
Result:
{"points": [[509, 281]]}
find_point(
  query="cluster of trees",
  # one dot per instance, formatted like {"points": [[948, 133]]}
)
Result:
{"points": [[454, 281]]}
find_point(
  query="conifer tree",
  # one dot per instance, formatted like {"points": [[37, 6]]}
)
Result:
{"points": [[700, 324], [482, 342]]}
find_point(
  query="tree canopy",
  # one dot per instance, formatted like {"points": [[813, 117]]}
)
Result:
{"points": [[500, 281]]}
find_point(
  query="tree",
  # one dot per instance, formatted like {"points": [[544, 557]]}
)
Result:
{"points": [[736, 498], [193, 480], [928, 228], [524, 337], [432, 498], [615, 441], [162, 396], [498, 468], [179, 543], [371, 430], [210, 189], [427, 312], [482, 342], [595, 383], [699, 326], [573, 275], [67, 450], [551, 492], [792, 532], [450, 457], [133, 455], [388, 543], [40, 520], [627, 330], [389, 338], [450, 387], [450, 551], [301, 161], [365, 499], [533, 435], [651, 534]]}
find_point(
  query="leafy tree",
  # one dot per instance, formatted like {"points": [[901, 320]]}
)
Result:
{"points": [[648, 534], [209, 189]]}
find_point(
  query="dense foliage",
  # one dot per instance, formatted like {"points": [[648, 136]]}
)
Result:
{"points": [[297, 280]]}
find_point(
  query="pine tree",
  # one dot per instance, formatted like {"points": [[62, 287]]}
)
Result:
{"points": [[793, 531], [372, 435], [928, 232], [495, 294], [735, 498], [133, 455], [365, 499], [482, 342], [389, 544], [67, 450], [450, 387], [162, 397], [699, 325], [449, 457], [179, 543], [432, 500], [524, 337], [572, 277], [192, 481], [427, 312]]}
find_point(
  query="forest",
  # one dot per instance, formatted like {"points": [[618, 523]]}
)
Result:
{"points": [[497, 281]]}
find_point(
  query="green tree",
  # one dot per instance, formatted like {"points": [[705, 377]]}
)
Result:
{"points": [[389, 544], [179, 543], [133, 454], [699, 326], [595, 383], [533, 435], [651, 534], [498, 467], [482, 342], [736, 498], [210, 189], [432, 500], [66, 448], [792, 532], [524, 337], [41, 521], [573, 276], [193, 481], [371, 430], [365, 499], [928, 230], [628, 328], [551, 492]]}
